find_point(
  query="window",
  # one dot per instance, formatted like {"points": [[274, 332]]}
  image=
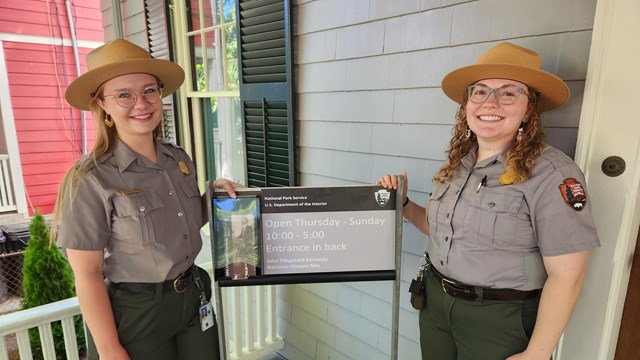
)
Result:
{"points": [[237, 58]]}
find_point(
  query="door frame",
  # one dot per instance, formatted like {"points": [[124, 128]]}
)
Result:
{"points": [[11, 137], [608, 126]]}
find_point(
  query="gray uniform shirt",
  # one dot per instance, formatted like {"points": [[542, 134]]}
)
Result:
{"points": [[145, 216], [484, 233]]}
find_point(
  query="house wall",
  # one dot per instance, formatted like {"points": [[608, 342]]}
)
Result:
{"points": [[369, 102], [134, 24], [40, 63]]}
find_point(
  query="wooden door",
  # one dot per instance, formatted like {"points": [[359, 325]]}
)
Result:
{"points": [[629, 337]]}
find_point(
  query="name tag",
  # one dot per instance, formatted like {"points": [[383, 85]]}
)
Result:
{"points": [[206, 316]]}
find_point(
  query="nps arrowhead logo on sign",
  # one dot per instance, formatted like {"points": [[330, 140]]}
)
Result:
{"points": [[382, 197]]}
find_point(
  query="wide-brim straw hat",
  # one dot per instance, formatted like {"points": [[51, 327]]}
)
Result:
{"points": [[120, 57], [509, 61]]}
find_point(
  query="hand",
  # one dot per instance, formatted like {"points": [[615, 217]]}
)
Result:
{"points": [[227, 185], [527, 356], [391, 182], [115, 353], [516, 357]]}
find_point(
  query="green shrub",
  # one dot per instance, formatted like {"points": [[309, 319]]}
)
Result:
{"points": [[47, 278]]}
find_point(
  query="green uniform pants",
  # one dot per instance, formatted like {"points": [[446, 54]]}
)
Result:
{"points": [[164, 325], [458, 329]]}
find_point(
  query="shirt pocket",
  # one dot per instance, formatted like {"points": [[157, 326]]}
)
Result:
{"points": [[492, 220], [192, 203], [137, 218], [435, 215], [190, 188]]}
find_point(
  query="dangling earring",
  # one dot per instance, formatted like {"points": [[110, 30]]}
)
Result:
{"points": [[520, 132], [467, 134], [108, 121]]}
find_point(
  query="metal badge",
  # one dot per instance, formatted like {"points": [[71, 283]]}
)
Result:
{"points": [[184, 168]]}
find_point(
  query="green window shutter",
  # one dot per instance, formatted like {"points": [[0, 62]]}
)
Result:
{"points": [[159, 48], [266, 91]]}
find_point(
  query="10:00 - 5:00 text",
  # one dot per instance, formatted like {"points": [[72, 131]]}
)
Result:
{"points": [[290, 235]]}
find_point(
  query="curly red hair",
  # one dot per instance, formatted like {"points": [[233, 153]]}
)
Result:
{"points": [[520, 156]]}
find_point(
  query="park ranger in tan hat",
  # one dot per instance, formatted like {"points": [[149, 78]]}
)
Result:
{"points": [[508, 217], [129, 216]]}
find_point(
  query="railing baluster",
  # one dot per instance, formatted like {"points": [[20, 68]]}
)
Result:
{"points": [[24, 345], [70, 339], [7, 202], [260, 323], [271, 313], [249, 313], [6, 181], [46, 340], [4, 352], [3, 188], [235, 306]]}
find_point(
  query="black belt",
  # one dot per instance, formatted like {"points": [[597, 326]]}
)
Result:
{"points": [[179, 284], [468, 292]]}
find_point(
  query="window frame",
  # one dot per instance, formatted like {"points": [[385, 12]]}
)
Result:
{"points": [[193, 134]]}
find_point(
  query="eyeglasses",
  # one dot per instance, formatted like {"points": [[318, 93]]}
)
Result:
{"points": [[505, 95], [126, 98]]}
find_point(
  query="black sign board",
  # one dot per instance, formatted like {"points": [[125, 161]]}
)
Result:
{"points": [[303, 235]]}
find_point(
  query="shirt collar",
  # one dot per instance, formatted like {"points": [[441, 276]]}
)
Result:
{"points": [[124, 156], [163, 148], [469, 160]]}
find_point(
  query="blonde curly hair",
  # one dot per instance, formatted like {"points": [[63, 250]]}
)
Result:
{"points": [[520, 156]]}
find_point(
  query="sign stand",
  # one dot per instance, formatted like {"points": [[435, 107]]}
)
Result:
{"points": [[347, 275], [395, 302]]}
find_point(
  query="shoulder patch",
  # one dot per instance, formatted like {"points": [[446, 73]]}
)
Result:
{"points": [[573, 194]]}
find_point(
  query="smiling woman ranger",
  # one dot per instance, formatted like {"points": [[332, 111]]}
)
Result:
{"points": [[130, 214], [508, 217]]}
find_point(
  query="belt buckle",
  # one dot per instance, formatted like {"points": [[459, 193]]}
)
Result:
{"points": [[456, 291], [175, 284], [448, 282]]}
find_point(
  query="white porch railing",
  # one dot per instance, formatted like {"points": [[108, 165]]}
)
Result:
{"points": [[250, 314], [249, 318], [250, 322], [20, 322], [7, 200]]}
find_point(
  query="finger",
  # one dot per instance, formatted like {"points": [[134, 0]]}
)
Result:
{"points": [[394, 182], [385, 181], [225, 185], [228, 186]]}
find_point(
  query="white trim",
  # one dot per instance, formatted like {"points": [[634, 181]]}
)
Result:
{"points": [[11, 136], [46, 40], [622, 268], [179, 21], [611, 66]]}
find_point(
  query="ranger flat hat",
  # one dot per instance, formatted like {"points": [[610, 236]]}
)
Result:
{"points": [[509, 61], [120, 57]]}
